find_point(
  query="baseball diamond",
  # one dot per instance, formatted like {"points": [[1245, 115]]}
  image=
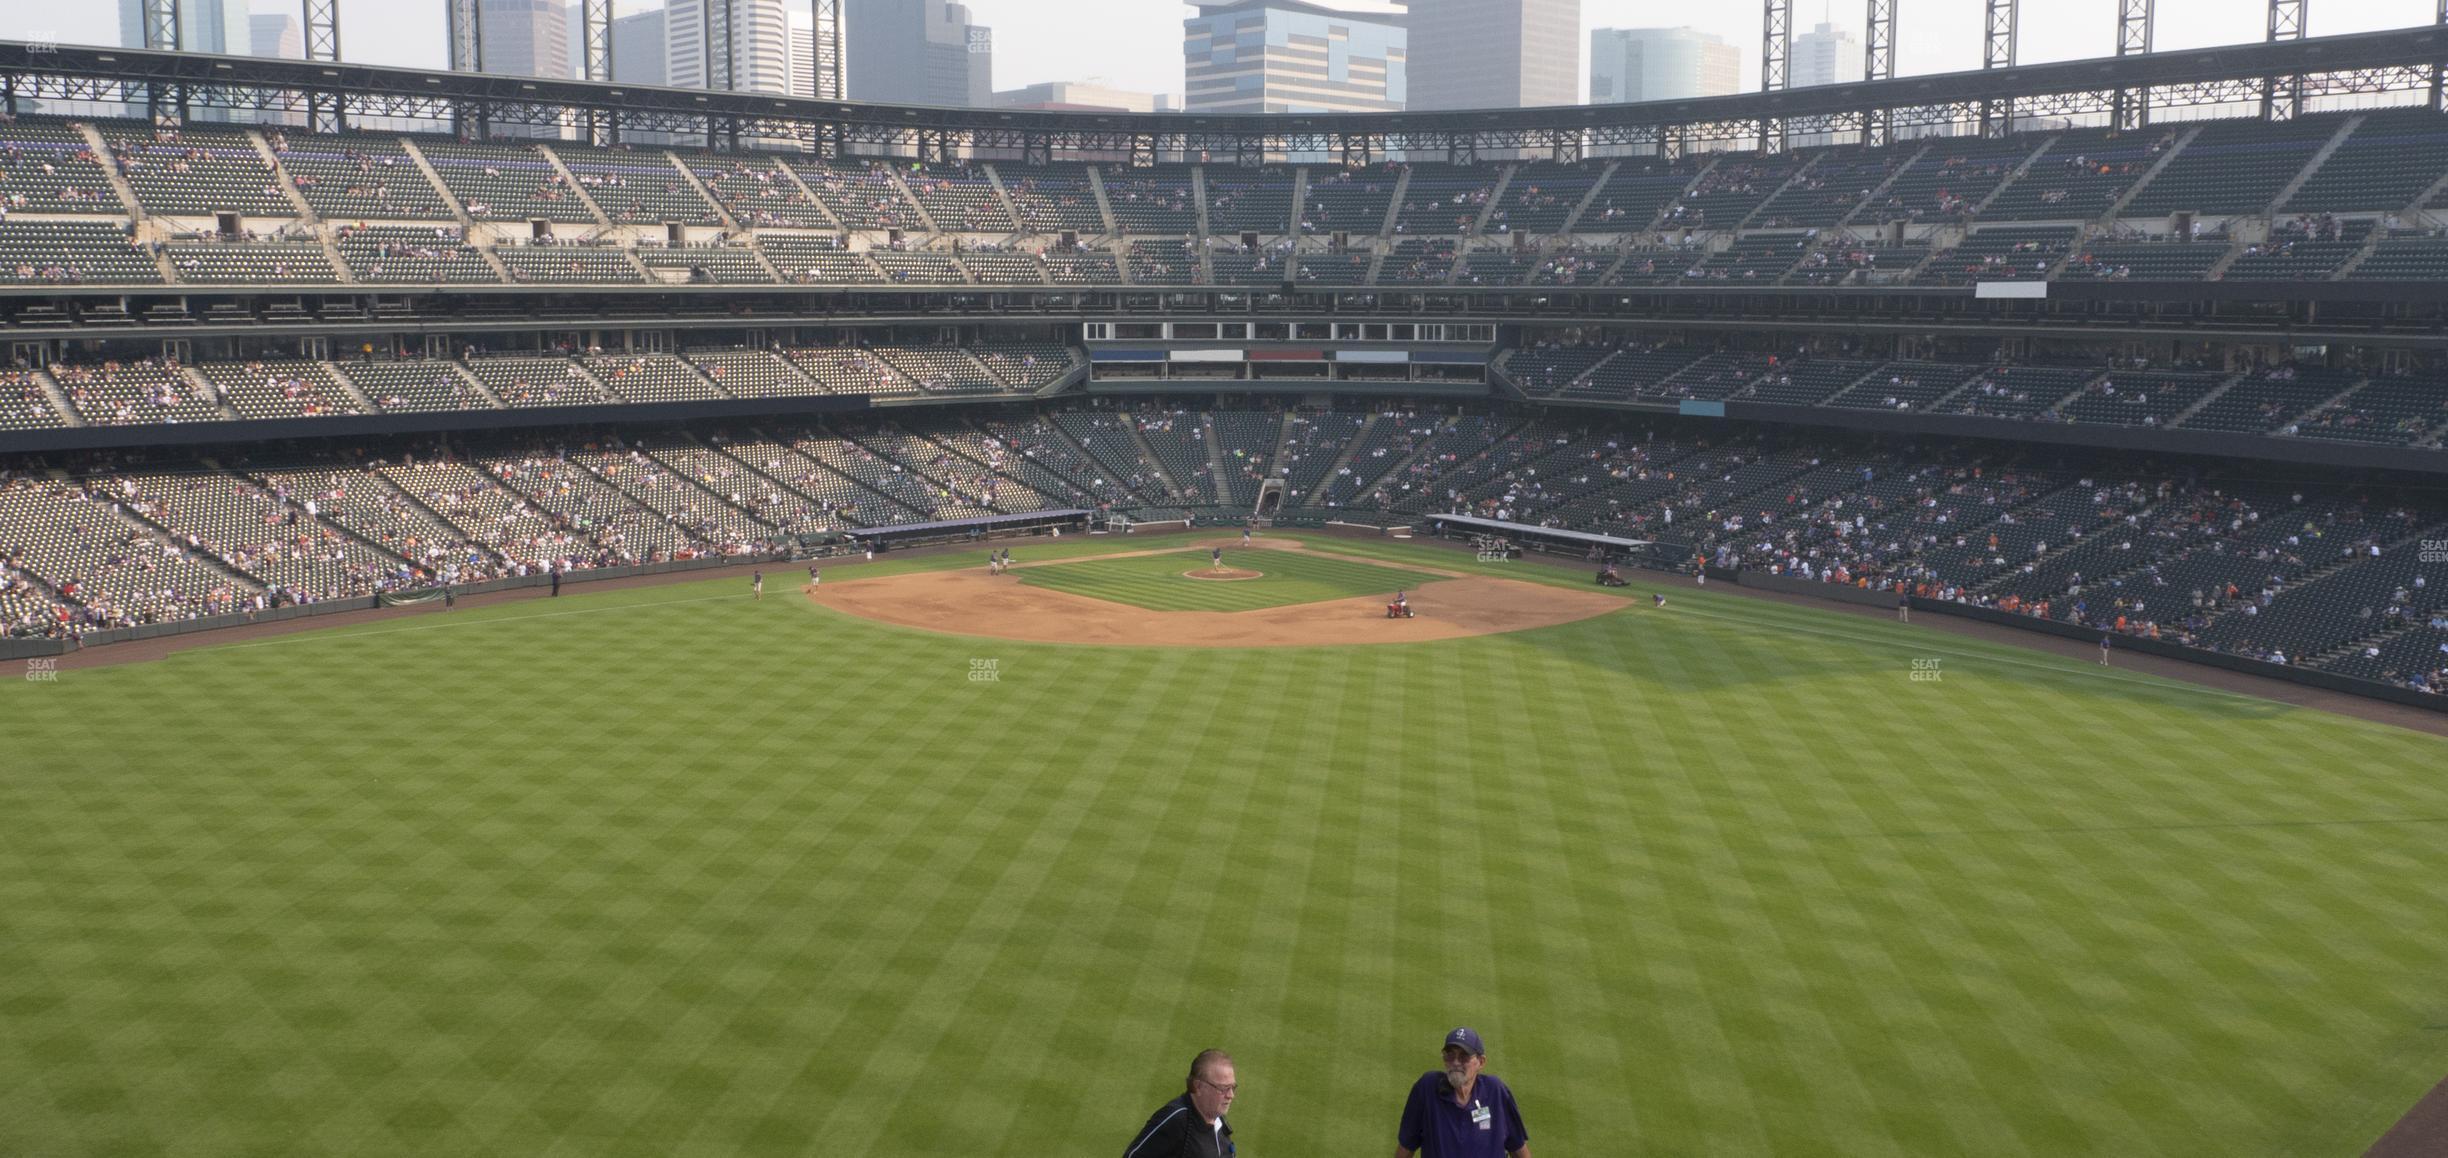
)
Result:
{"points": [[580, 872]]}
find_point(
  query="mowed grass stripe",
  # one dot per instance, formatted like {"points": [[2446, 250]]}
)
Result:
{"points": [[667, 879], [1157, 582]]}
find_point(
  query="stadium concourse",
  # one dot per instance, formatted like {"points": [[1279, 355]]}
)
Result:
{"points": [[2293, 568]]}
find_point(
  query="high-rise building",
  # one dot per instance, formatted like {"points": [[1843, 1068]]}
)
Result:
{"points": [[917, 52], [1628, 65], [1824, 55], [802, 56], [637, 48], [204, 26], [1290, 56], [760, 45], [526, 37], [1063, 94], [276, 35], [1494, 54]]}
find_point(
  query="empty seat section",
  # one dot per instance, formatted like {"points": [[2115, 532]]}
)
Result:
{"points": [[817, 260], [848, 370], [725, 264], [2259, 403], [2139, 397], [2234, 167], [1950, 180], [1154, 200], [639, 187], [860, 196], [2164, 259], [1082, 267], [1722, 197], [358, 176], [2387, 163], [1638, 191], [1352, 201], [918, 267], [411, 253], [568, 264], [1052, 199], [1003, 267], [1243, 200], [195, 172], [290, 389], [651, 378], [1542, 196], [1163, 263], [2013, 253], [411, 386], [750, 373], [48, 167], [960, 199], [2389, 411], [529, 381], [2301, 250], [71, 253], [243, 262], [1830, 190], [1445, 199], [503, 182], [2081, 176], [758, 192], [1419, 261], [1330, 269]]}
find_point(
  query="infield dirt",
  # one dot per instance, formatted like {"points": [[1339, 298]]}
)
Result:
{"points": [[966, 603]]}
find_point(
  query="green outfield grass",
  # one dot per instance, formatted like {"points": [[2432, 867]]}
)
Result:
{"points": [[673, 872], [1286, 577]]}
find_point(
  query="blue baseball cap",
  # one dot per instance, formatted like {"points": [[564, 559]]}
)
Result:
{"points": [[1468, 1039]]}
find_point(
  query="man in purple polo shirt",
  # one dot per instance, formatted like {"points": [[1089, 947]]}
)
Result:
{"points": [[1459, 1112]]}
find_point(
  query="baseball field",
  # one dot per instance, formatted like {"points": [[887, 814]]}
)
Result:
{"points": [[886, 870]]}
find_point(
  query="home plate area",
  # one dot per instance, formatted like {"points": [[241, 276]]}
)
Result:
{"points": [[1270, 594]]}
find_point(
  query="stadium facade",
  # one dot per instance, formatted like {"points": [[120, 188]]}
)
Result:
{"points": [[2011, 374]]}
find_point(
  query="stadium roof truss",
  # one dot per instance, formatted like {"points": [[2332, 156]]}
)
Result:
{"points": [[2088, 91]]}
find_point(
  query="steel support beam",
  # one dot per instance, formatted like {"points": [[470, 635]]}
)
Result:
{"points": [[2282, 96], [720, 58], [2131, 109], [1776, 46], [324, 112], [1998, 51], [466, 20], [595, 62], [161, 30], [1878, 63], [161, 25], [829, 82], [2439, 72]]}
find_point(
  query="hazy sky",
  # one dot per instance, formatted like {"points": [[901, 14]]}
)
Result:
{"points": [[1136, 44]]}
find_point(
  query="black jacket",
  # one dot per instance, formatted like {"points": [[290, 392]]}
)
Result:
{"points": [[1177, 1131]]}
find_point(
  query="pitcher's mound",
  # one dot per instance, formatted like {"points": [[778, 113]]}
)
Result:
{"points": [[1223, 573]]}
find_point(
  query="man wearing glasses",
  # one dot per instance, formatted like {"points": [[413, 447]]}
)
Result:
{"points": [[1459, 1112], [1193, 1124]]}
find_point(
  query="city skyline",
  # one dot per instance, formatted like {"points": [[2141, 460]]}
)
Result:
{"points": [[1137, 44]]}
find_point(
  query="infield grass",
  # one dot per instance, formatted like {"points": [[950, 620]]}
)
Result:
{"points": [[671, 872], [1286, 577]]}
